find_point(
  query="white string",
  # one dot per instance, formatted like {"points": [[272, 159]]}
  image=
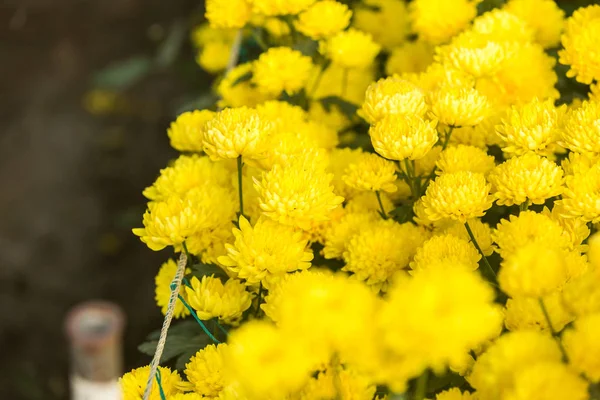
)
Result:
{"points": [[175, 285]]}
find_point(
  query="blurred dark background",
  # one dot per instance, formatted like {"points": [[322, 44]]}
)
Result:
{"points": [[71, 180]]}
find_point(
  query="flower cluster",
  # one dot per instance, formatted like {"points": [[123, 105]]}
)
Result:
{"points": [[390, 199]]}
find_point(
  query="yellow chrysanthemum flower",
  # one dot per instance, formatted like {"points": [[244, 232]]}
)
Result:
{"points": [[527, 228], [337, 80], [210, 298], [525, 313], [323, 19], [297, 194], [464, 158], [162, 291], [392, 96], [350, 49], [268, 248], [228, 13], [409, 57], [238, 94], [205, 370], [581, 130], [456, 394], [214, 56], [438, 315], [581, 295], [502, 26], [386, 20], [400, 137], [186, 132], [459, 106], [133, 383], [546, 381], [280, 7], [459, 195], [481, 231], [343, 382], [340, 159], [371, 172], [581, 197], [380, 249], [281, 69], [473, 53], [583, 348], [436, 21], [448, 250], [235, 132], [529, 177], [574, 229], [544, 16], [534, 126], [337, 236], [534, 270], [170, 222], [580, 44]]}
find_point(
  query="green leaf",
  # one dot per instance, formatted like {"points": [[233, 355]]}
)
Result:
{"points": [[244, 78], [200, 270], [403, 213], [349, 109], [123, 74], [202, 102], [176, 345], [170, 47]]}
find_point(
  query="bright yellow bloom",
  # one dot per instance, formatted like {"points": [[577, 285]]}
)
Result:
{"points": [[213, 299], [350, 49], [323, 19], [552, 380], [281, 69], [456, 394], [337, 80], [186, 396], [133, 384], [580, 44], [501, 26], [529, 177], [436, 21], [459, 106], [282, 115], [473, 53], [534, 126], [583, 347], [447, 249], [170, 222], [495, 372], [459, 195], [381, 249], [371, 172], [544, 16], [392, 96], [228, 13], [238, 94], [186, 132], [337, 235], [481, 231], [351, 385], [582, 196], [268, 248], [186, 173], [581, 131], [214, 56], [533, 270], [297, 194], [400, 137], [235, 132], [162, 291], [578, 163], [464, 158], [409, 57], [280, 7], [437, 316], [340, 159], [388, 23], [525, 313], [574, 229], [205, 370]]}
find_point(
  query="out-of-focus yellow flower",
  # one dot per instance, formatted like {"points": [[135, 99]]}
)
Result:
{"points": [[400, 137], [268, 248], [447, 249], [338, 235], [205, 370], [371, 172], [214, 56], [525, 313], [583, 348], [502, 26], [133, 384], [228, 13], [548, 380], [162, 291], [280, 7], [391, 96], [459, 106], [581, 129], [580, 44], [481, 231], [459, 195], [350, 49], [186, 132], [409, 57], [436, 21], [529, 177], [581, 197], [473, 53], [238, 94], [281, 69], [337, 80], [323, 19], [464, 158], [210, 298], [349, 383], [386, 20], [544, 16], [456, 394]]}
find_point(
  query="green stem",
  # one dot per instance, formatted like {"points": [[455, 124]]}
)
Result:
{"points": [[240, 189], [524, 206], [260, 292], [485, 260], [421, 388], [315, 86], [204, 328], [382, 212], [552, 330], [258, 39], [410, 169], [344, 81], [447, 138]]}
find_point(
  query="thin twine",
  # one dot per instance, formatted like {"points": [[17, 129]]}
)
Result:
{"points": [[175, 285]]}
